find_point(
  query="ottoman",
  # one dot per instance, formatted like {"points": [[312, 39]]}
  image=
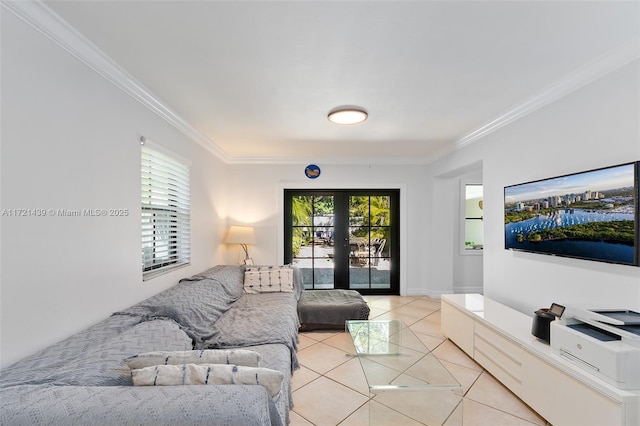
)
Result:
{"points": [[329, 309]]}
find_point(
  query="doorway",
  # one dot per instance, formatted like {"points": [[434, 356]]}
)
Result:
{"points": [[344, 239]]}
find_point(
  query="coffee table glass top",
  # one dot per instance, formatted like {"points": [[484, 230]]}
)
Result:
{"points": [[394, 358]]}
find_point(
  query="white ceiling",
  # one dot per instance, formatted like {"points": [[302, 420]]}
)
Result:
{"points": [[258, 78]]}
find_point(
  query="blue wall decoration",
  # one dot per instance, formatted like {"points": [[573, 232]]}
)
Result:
{"points": [[312, 171]]}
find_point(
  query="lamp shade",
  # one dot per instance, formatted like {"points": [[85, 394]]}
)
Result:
{"points": [[240, 235]]}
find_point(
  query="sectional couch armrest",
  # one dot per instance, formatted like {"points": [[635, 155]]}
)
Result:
{"points": [[129, 405]]}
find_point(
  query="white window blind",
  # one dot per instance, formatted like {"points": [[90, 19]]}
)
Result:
{"points": [[165, 213]]}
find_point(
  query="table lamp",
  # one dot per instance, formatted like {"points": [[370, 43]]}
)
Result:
{"points": [[242, 235]]}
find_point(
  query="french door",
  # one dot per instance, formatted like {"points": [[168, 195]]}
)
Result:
{"points": [[344, 239]]}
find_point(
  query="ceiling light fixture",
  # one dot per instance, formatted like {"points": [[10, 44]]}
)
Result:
{"points": [[347, 115]]}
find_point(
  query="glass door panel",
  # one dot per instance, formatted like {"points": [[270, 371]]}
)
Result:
{"points": [[312, 234], [369, 235], [344, 238], [379, 211]]}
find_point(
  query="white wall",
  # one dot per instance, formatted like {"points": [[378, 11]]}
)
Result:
{"points": [[70, 141], [595, 126], [259, 202], [445, 267]]}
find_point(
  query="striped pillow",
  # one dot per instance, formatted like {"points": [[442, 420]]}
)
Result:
{"points": [[268, 279], [208, 374], [243, 357]]}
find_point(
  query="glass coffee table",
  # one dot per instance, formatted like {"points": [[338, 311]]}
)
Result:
{"points": [[403, 375]]}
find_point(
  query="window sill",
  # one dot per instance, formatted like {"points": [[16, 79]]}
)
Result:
{"points": [[471, 252], [146, 276]]}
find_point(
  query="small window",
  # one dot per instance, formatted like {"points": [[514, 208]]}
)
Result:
{"points": [[166, 230], [473, 229]]}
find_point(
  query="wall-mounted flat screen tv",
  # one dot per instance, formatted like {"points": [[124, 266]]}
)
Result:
{"points": [[588, 215]]}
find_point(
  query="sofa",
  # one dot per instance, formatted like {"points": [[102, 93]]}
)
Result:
{"points": [[85, 379]]}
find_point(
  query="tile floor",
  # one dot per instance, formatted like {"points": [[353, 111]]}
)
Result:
{"points": [[330, 388]]}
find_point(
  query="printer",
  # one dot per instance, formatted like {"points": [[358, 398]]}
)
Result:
{"points": [[605, 342]]}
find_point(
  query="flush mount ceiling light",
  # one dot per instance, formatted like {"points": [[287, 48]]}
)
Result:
{"points": [[347, 115]]}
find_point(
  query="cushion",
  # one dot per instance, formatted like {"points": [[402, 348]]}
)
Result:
{"points": [[208, 374], [268, 279], [205, 356], [329, 309]]}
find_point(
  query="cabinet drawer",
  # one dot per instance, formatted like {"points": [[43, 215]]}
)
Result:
{"points": [[580, 405], [458, 327], [539, 384], [501, 357]]}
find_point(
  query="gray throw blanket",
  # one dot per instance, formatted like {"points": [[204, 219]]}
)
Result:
{"points": [[331, 307], [202, 304], [257, 319], [195, 303]]}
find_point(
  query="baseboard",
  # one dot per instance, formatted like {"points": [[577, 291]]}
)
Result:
{"points": [[437, 294], [417, 292], [467, 290]]}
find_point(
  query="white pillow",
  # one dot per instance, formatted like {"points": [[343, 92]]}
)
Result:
{"points": [[268, 279], [208, 374], [206, 356]]}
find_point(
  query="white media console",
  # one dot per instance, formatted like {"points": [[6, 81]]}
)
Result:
{"points": [[499, 339]]}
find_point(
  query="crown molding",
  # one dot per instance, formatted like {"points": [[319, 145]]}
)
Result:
{"points": [[47, 22], [400, 161], [622, 55]]}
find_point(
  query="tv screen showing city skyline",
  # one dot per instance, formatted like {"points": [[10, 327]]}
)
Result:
{"points": [[588, 215]]}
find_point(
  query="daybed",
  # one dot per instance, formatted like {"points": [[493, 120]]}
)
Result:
{"points": [[85, 380], [329, 309]]}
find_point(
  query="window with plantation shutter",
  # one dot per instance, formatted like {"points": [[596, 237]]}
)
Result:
{"points": [[165, 213]]}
